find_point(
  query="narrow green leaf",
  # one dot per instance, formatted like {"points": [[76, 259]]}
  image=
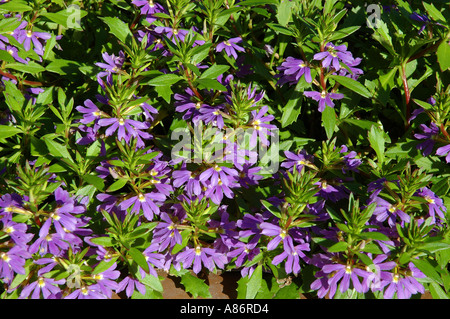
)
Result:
{"points": [[271, 208], [15, 6], [214, 71], [118, 184], [443, 55], [164, 80], [329, 121], [254, 283], [8, 131], [377, 141], [32, 67], [351, 84], [139, 258], [103, 241]]}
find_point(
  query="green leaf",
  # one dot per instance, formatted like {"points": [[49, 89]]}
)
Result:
{"points": [[284, 12], [271, 208], [139, 258], [8, 131], [96, 181], [195, 286], [254, 283], [118, 28], [443, 55], [211, 84], [374, 235], [351, 84], [340, 246], [214, 71], [63, 67], [377, 141], [434, 13], [5, 56], [32, 67], [104, 265], [15, 6], [118, 184], [437, 292], [165, 80], [56, 149], [428, 270], [153, 282], [103, 241], [329, 121]]}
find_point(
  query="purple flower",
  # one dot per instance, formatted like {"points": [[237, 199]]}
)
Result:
{"points": [[405, 285], [12, 262], [244, 251], [230, 47], [15, 54], [248, 175], [378, 275], [28, 37], [351, 162], [172, 33], [280, 235], [435, 204], [200, 255], [126, 128], [113, 65], [106, 280], [261, 127], [129, 284], [420, 18], [51, 243], [87, 292], [294, 69], [324, 98], [387, 211], [62, 218], [428, 135], [444, 150], [154, 259], [188, 103], [296, 160], [166, 233], [334, 192], [191, 181], [333, 55], [346, 274], [17, 232], [148, 7], [292, 264], [146, 202], [47, 286]]}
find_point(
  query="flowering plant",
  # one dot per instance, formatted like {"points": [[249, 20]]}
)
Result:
{"points": [[302, 144]]}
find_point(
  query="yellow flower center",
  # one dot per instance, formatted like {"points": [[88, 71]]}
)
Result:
{"points": [[5, 257], [348, 269], [9, 230], [429, 199], [141, 198], [41, 282], [227, 43], [121, 121], [29, 33], [283, 233], [198, 250]]}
